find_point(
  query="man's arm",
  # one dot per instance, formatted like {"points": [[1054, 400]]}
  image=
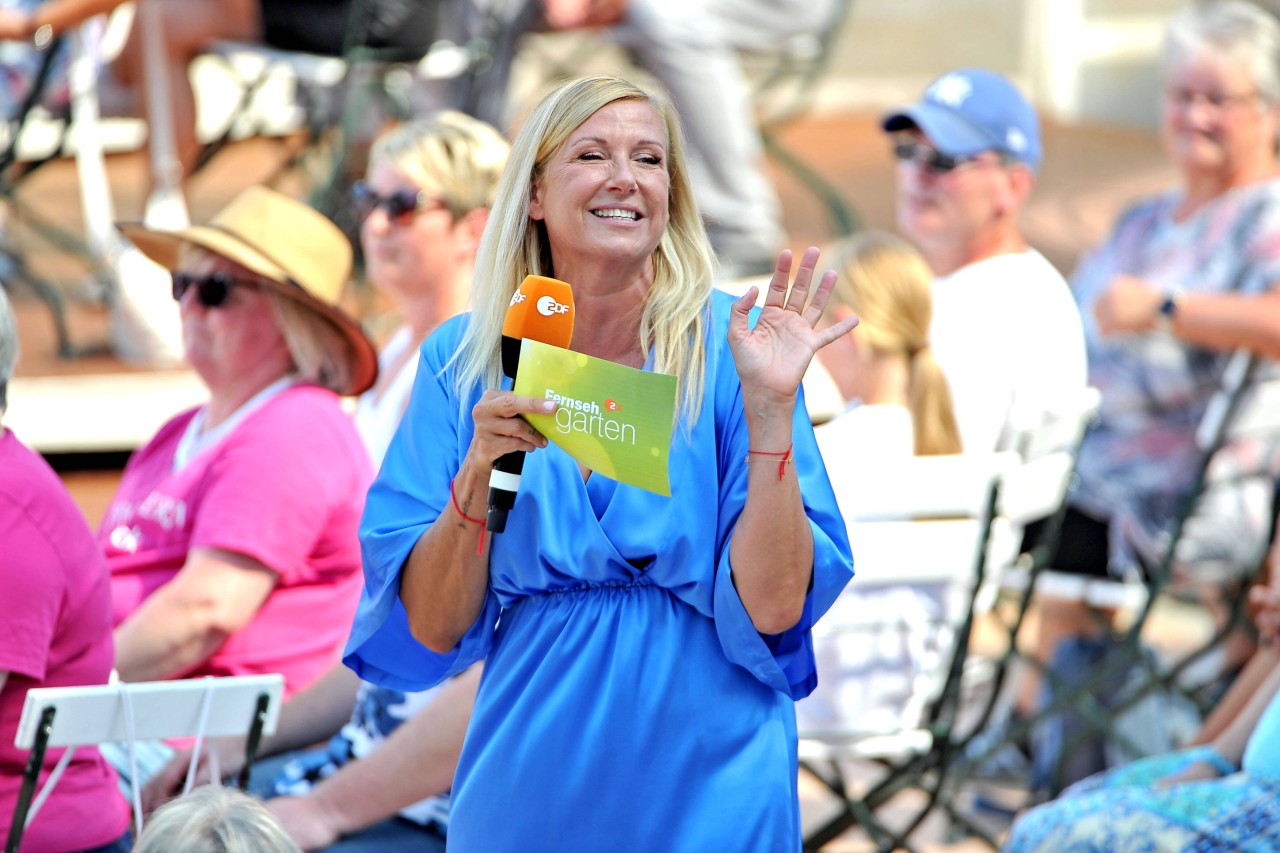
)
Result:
{"points": [[416, 761]]}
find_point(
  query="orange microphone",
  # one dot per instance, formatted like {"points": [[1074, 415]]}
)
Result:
{"points": [[542, 310]]}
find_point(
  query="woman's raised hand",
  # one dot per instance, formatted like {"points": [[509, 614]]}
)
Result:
{"points": [[773, 356]]}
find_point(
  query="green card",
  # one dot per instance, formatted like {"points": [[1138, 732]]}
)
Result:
{"points": [[615, 420]]}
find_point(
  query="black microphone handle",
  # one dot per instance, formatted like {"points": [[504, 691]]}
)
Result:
{"points": [[504, 482]]}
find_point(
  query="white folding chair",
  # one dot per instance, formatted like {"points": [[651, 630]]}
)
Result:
{"points": [[921, 531], [127, 713], [1047, 442]]}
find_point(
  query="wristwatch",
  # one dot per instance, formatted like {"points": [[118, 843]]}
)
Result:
{"points": [[1168, 310]]}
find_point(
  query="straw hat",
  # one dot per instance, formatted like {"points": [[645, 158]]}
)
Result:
{"points": [[294, 247]]}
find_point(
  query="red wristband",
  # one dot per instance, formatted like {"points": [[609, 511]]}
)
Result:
{"points": [[782, 464], [480, 521]]}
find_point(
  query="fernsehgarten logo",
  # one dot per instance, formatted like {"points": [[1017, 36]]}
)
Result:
{"points": [[585, 416], [629, 442]]}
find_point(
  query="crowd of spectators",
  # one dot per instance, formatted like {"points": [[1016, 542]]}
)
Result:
{"points": [[435, 680]]}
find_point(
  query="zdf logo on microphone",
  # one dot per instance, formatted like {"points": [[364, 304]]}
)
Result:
{"points": [[547, 307]]}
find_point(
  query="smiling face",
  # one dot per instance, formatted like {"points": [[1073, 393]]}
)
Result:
{"points": [[1214, 121], [603, 193]]}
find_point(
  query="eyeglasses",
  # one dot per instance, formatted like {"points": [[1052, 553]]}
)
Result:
{"points": [[1214, 101], [930, 158], [400, 206], [212, 289]]}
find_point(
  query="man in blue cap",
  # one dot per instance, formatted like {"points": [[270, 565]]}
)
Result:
{"points": [[1005, 328]]}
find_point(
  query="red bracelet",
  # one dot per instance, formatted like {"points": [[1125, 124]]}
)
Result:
{"points": [[480, 521], [782, 465]]}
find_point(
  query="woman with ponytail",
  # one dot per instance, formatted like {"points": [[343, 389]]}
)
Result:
{"points": [[899, 402], [899, 405]]}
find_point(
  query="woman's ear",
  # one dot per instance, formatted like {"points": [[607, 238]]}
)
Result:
{"points": [[535, 202]]}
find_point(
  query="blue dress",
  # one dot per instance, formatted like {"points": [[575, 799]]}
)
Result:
{"points": [[627, 703]]}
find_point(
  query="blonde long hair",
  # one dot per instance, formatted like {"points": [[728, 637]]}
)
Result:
{"points": [[888, 284], [675, 310]]}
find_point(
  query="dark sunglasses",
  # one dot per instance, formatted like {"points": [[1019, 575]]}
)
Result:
{"points": [[400, 206], [930, 158], [212, 289]]}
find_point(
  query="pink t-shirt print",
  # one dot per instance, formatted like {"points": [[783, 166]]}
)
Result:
{"points": [[285, 487]]}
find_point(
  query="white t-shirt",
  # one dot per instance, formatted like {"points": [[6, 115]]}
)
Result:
{"points": [[864, 436], [377, 419], [1006, 330]]}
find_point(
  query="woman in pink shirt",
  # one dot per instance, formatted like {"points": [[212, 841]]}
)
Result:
{"points": [[232, 538], [55, 630]]}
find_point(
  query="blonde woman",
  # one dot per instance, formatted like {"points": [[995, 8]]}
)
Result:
{"points": [[642, 653], [899, 406], [899, 399], [423, 205]]}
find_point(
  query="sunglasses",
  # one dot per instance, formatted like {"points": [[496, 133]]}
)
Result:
{"points": [[212, 289], [400, 206], [930, 158]]}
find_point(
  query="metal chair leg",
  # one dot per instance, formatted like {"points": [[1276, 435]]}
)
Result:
{"points": [[255, 739], [30, 776]]}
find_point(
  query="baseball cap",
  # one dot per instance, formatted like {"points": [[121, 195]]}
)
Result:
{"points": [[971, 110]]}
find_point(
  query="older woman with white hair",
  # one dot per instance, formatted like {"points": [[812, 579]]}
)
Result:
{"points": [[231, 538], [1184, 279], [642, 653]]}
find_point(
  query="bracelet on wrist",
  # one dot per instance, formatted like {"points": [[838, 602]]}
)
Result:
{"points": [[453, 496], [785, 457]]}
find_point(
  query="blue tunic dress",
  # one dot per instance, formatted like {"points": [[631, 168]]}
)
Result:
{"points": [[627, 703]]}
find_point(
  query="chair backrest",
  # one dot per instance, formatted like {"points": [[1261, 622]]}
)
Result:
{"points": [[129, 712], [98, 713], [1239, 440], [1047, 442], [1037, 432], [916, 487], [785, 80]]}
